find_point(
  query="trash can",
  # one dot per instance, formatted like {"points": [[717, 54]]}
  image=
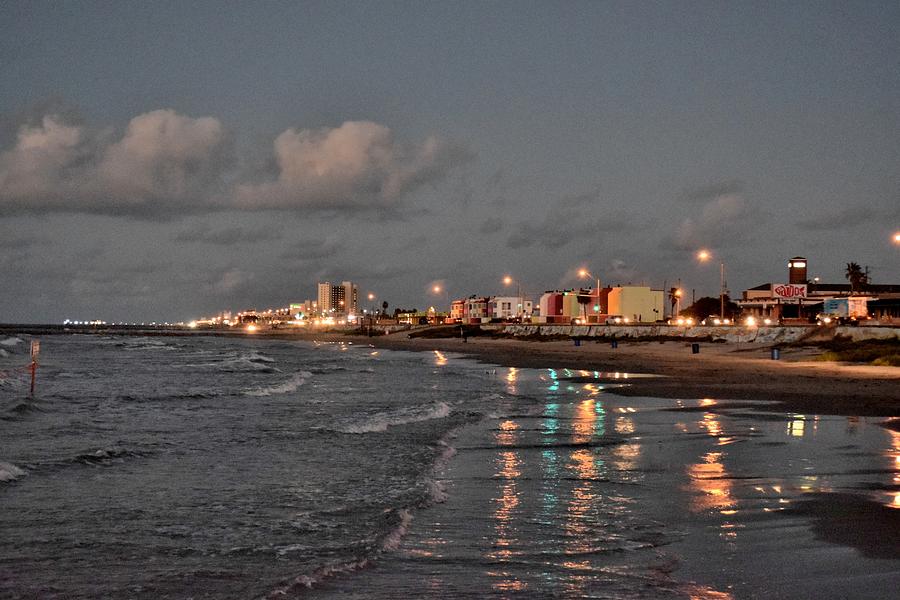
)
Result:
{"points": [[577, 341], [614, 343], [776, 353], [695, 348]]}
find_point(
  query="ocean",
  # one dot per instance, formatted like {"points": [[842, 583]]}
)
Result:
{"points": [[242, 467]]}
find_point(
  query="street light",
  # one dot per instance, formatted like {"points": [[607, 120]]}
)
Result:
{"points": [[705, 255], [520, 301], [897, 238], [584, 273]]}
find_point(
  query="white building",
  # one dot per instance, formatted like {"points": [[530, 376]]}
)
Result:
{"points": [[510, 307]]}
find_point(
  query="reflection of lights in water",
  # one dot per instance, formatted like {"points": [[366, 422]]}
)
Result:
{"points": [[624, 456], [712, 483], [511, 378], [796, 426], [550, 424], [624, 425], [584, 420], [506, 503], [894, 452], [711, 424], [507, 434], [439, 359]]}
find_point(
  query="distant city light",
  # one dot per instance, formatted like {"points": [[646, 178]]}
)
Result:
{"points": [[897, 238], [704, 255]]}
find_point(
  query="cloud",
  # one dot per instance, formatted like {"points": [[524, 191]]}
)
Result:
{"points": [[491, 225], [848, 217], [229, 235], [310, 249], [720, 222], [570, 220], [358, 165], [163, 162]]}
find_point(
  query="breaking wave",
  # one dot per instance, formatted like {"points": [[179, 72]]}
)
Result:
{"points": [[291, 385], [381, 421], [9, 472]]}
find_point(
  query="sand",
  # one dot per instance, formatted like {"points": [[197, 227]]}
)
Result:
{"points": [[722, 371]]}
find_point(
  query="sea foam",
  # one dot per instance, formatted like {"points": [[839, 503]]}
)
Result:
{"points": [[291, 385], [381, 421], [9, 472]]}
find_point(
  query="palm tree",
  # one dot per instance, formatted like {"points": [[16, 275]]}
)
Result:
{"points": [[856, 276]]}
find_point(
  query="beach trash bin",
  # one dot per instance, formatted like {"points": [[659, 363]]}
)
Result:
{"points": [[776, 353], [614, 343], [577, 342], [695, 348]]}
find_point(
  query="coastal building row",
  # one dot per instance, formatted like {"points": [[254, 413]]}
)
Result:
{"points": [[587, 305], [803, 298]]}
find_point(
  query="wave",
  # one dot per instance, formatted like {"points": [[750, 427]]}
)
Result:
{"points": [[381, 421], [320, 574], [9, 472], [20, 411], [104, 456], [145, 344], [241, 363], [291, 385], [12, 341]]}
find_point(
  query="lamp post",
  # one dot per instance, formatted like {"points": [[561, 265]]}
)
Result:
{"points": [[520, 301], [584, 273], [704, 256]]}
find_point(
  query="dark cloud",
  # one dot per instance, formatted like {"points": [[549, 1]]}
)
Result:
{"points": [[572, 219], [163, 163], [713, 191], [358, 165], [311, 249], [229, 235], [848, 217], [722, 221], [491, 225]]}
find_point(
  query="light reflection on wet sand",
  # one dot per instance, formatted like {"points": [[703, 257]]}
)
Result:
{"points": [[599, 495]]}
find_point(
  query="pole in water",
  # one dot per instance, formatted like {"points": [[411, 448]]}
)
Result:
{"points": [[35, 350]]}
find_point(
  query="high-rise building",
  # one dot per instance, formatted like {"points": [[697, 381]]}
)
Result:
{"points": [[338, 299], [351, 297], [324, 298]]}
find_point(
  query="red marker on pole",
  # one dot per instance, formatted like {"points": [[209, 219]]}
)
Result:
{"points": [[35, 350]]}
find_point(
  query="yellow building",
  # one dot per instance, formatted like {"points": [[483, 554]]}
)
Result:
{"points": [[640, 304]]}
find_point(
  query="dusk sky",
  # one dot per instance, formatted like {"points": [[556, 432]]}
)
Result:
{"points": [[163, 161]]}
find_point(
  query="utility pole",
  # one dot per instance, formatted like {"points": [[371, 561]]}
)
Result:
{"points": [[722, 291]]}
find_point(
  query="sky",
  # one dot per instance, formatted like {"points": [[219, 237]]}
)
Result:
{"points": [[165, 161]]}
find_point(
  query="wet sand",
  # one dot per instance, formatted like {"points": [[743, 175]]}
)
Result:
{"points": [[726, 371], [590, 494]]}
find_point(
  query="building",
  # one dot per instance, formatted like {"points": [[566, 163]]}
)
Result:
{"points": [[802, 298], [340, 299], [559, 306], [510, 308], [638, 303], [477, 309], [458, 311]]}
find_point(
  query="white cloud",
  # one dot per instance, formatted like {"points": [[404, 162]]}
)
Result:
{"points": [[356, 165], [163, 162]]}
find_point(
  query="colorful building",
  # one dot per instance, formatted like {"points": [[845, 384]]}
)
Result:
{"points": [[637, 303]]}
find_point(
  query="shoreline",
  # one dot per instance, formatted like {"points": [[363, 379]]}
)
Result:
{"points": [[723, 371], [727, 371]]}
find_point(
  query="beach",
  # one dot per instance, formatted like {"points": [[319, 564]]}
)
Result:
{"points": [[336, 466], [797, 382]]}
